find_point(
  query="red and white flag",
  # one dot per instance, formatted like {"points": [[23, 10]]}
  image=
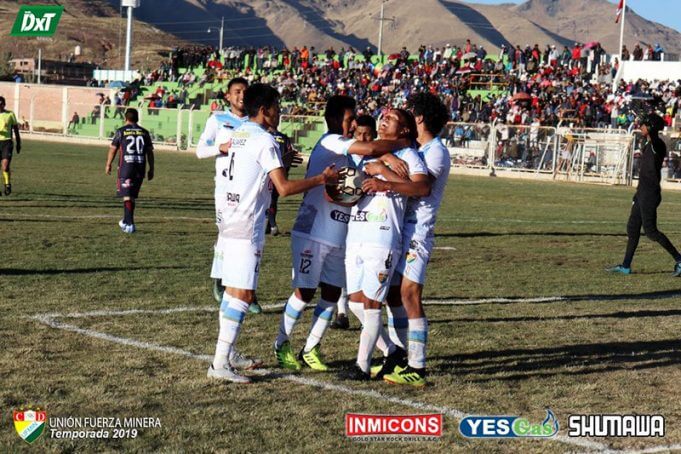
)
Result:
{"points": [[620, 8]]}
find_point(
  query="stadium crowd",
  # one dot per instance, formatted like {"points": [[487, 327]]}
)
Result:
{"points": [[517, 86]]}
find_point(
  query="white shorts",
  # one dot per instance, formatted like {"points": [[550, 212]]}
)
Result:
{"points": [[315, 262], [414, 260], [242, 267], [369, 269]]}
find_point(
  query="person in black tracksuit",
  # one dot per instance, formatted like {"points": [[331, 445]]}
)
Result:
{"points": [[648, 197]]}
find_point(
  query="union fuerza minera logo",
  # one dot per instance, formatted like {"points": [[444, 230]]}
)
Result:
{"points": [[29, 423]]}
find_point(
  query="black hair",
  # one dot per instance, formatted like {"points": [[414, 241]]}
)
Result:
{"points": [[237, 80], [132, 116], [410, 123], [257, 96], [337, 105], [2, 100], [367, 121], [435, 114]]}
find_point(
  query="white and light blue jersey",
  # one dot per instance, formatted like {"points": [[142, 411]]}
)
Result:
{"points": [[218, 130], [318, 219], [378, 217], [248, 190], [419, 223]]}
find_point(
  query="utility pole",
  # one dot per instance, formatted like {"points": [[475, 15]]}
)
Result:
{"points": [[222, 32], [382, 19], [130, 5]]}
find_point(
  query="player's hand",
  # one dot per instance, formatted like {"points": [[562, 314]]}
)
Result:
{"points": [[224, 148], [397, 165], [375, 185], [107, 169], [330, 175], [374, 168], [297, 159], [150, 175]]}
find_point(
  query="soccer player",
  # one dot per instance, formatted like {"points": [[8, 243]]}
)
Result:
{"points": [[319, 234], [8, 124], [648, 197], [136, 151], [254, 165], [365, 131], [214, 143], [417, 244], [374, 238]]}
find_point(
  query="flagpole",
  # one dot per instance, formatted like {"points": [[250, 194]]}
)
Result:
{"points": [[624, 11]]}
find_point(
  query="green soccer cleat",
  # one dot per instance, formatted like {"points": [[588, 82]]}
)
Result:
{"points": [[285, 357], [218, 290], [619, 269], [313, 359], [406, 376], [398, 358]]}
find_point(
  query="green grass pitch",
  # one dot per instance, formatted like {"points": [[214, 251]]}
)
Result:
{"points": [[610, 345]]}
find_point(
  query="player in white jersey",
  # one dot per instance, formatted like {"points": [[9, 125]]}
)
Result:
{"points": [[374, 236], [417, 241], [254, 166], [318, 236], [214, 144]]}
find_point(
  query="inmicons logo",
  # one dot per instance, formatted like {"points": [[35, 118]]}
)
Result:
{"points": [[38, 20]]}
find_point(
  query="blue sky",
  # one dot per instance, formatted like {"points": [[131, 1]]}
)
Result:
{"points": [[666, 12]]}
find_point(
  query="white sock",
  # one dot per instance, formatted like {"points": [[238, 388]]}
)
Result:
{"points": [[383, 343], [398, 325], [232, 313], [343, 302], [323, 314], [418, 340], [367, 340], [292, 312]]}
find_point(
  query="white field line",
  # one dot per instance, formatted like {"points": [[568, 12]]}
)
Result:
{"points": [[452, 302], [102, 216], [422, 406]]}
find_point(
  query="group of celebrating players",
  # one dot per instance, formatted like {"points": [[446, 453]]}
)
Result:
{"points": [[378, 248]]}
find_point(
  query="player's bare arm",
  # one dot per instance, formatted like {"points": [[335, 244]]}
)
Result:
{"points": [[286, 187], [17, 144], [417, 185], [109, 159], [150, 160]]}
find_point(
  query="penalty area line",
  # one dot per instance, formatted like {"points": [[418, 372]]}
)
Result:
{"points": [[458, 415]]}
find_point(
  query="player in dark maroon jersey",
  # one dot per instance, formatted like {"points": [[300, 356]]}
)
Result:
{"points": [[136, 150]]}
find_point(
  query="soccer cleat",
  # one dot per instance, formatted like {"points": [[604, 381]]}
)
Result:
{"points": [[619, 269], [356, 374], [341, 322], [227, 373], [313, 359], [255, 308], [398, 358], [130, 228], [8, 189], [122, 225], [243, 362], [285, 356], [407, 376], [275, 230], [677, 270]]}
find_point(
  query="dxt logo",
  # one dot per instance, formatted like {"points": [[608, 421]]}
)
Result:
{"points": [[37, 20]]}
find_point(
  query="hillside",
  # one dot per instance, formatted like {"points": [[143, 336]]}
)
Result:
{"points": [[338, 23], [94, 25]]}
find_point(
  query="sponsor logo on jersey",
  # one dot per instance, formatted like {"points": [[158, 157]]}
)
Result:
{"points": [[37, 20], [234, 198], [369, 216], [411, 257], [340, 216], [508, 427], [616, 426], [29, 423]]}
